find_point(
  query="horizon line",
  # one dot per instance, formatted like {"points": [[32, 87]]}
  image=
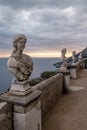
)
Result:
{"points": [[33, 57]]}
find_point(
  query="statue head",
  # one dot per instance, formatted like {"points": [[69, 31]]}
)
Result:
{"points": [[19, 42], [63, 51], [21, 65]]}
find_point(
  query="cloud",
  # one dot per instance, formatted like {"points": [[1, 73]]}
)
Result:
{"points": [[49, 25]]}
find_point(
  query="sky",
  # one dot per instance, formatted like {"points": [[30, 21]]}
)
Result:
{"points": [[49, 25]]}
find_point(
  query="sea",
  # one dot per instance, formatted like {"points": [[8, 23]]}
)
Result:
{"points": [[40, 65]]}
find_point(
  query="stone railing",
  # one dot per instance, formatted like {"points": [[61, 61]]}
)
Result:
{"points": [[25, 107], [51, 90], [6, 116]]}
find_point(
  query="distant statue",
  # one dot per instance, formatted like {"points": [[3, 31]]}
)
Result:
{"points": [[20, 64], [80, 57], [74, 57], [63, 52]]}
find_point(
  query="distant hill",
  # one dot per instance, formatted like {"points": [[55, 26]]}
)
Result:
{"points": [[84, 55]]}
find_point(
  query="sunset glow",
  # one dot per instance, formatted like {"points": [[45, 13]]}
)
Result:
{"points": [[40, 54], [49, 26]]}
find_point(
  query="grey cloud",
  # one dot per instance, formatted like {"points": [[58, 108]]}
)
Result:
{"points": [[48, 24], [23, 4]]}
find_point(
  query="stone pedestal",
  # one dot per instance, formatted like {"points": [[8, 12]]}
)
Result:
{"points": [[66, 79], [27, 110], [62, 69], [27, 118], [73, 72], [20, 88], [66, 82]]}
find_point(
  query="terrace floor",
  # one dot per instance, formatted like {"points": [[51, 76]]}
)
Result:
{"points": [[70, 112]]}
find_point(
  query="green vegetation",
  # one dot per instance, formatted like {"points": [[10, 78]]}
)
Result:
{"points": [[34, 81], [47, 74], [44, 75]]}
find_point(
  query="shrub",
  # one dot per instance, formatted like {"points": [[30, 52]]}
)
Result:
{"points": [[34, 81], [47, 74], [44, 75]]}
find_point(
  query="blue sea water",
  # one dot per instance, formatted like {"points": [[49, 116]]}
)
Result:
{"points": [[40, 65]]}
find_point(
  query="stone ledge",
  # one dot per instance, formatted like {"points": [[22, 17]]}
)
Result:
{"points": [[45, 83], [20, 100]]}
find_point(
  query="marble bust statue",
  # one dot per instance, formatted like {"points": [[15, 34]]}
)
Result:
{"points": [[64, 59], [20, 64], [63, 67], [73, 56], [80, 57]]}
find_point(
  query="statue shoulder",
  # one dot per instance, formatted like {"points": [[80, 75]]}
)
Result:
{"points": [[12, 62], [28, 59]]}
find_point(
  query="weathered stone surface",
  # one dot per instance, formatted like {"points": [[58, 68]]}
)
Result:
{"points": [[31, 120], [66, 82], [63, 53], [51, 91], [5, 116], [20, 88], [19, 64], [20, 100], [21, 109], [27, 111]]}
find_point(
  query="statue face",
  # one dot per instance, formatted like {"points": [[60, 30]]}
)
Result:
{"points": [[21, 44]]}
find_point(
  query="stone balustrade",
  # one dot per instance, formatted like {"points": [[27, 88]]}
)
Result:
{"points": [[26, 107], [6, 119], [51, 90]]}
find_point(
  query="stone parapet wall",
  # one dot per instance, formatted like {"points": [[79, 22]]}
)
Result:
{"points": [[51, 90], [5, 116]]}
